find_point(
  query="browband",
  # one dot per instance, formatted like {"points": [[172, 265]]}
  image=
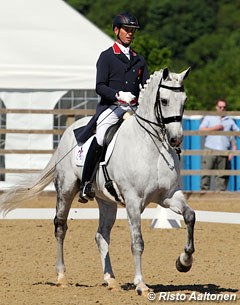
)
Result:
{"points": [[177, 89]]}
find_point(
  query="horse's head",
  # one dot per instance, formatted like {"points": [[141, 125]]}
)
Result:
{"points": [[169, 105]]}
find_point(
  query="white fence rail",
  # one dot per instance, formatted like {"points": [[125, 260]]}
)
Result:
{"points": [[159, 220]]}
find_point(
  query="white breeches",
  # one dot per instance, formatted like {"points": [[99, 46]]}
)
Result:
{"points": [[108, 118]]}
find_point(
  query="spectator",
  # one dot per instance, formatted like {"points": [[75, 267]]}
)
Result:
{"points": [[218, 142]]}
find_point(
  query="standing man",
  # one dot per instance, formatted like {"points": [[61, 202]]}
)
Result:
{"points": [[218, 142], [120, 75]]}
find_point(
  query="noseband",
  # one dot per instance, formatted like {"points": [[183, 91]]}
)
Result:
{"points": [[161, 121]]}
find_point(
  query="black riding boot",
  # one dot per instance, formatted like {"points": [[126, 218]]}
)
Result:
{"points": [[90, 167]]}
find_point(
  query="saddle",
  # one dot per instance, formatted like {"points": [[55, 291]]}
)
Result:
{"points": [[111, 189], [109, 136], [82, 150]]}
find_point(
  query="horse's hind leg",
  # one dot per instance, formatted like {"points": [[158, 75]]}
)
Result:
{"points": [[64, 200], [178, 204], [107, 217]]}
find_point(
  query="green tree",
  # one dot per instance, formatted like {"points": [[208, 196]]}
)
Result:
{"points": [[203, 34], [82, 6], [176, 24], [219, 78], [148, 48], [229, 63], [204, 50]]}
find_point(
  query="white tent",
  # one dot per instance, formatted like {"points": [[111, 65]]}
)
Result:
{"points": [[47, 48], [45, 44]]}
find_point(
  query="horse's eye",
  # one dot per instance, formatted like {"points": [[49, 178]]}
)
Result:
{"points": [[164, 102]]}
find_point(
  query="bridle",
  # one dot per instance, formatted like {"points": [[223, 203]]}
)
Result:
{"points": [[158, 109], [161, 121]]}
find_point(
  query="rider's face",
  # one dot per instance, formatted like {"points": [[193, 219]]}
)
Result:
{"points": [[126, 34]]}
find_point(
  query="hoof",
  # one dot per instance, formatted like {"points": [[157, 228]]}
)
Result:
{"points": [[112, 284], [182, 268], [142, 290], [61, 281]]}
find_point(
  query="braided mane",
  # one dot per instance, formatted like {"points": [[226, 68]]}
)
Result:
{"points": [[150, 88]]}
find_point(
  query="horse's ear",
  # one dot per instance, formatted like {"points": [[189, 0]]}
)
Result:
{"points": [[185, 73], [165, 74]]}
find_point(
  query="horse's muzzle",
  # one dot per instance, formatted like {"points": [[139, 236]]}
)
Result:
{"points": [[175, 141]]}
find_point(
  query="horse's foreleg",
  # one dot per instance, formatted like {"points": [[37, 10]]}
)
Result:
{"points": [[178, 204], [184, 261], [106, 221], [137, 247]]}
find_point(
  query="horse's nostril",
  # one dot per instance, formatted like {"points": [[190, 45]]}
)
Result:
{"points": [[173, 140]]}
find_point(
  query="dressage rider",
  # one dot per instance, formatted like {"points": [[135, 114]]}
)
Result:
{"points": [[120, 75]]}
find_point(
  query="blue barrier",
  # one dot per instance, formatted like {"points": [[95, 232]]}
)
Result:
{"points": [[192, 183], [235, 180]]}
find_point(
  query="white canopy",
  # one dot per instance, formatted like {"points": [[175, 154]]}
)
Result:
{"points": [[45, 44], [47, 48]]}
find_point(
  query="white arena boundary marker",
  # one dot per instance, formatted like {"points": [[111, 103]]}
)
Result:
{"points": [[165, 220], [149, 213]]}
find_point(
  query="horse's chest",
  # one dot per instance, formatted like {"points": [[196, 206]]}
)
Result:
{"points": [[168, 171]]}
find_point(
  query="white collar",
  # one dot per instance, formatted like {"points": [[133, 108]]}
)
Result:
{"points": [[125, 50]]}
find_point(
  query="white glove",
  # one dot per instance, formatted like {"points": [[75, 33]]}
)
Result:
{"points": [[126, 97]]}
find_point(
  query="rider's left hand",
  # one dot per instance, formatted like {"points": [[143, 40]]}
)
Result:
{"points": [[125, 97]]}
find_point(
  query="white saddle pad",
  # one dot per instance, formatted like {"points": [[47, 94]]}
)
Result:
{"points": [[83, 150]]}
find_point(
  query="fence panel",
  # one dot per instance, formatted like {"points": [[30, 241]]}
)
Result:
{"points": [[192, 146]]}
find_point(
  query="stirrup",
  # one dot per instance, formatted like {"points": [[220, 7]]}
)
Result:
{"points": [[87, 192]]}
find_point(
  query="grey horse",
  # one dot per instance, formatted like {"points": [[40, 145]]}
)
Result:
{"points": [[144, 166]]}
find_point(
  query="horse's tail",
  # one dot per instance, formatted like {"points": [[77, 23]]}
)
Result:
{"points": [[15, 196]]}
